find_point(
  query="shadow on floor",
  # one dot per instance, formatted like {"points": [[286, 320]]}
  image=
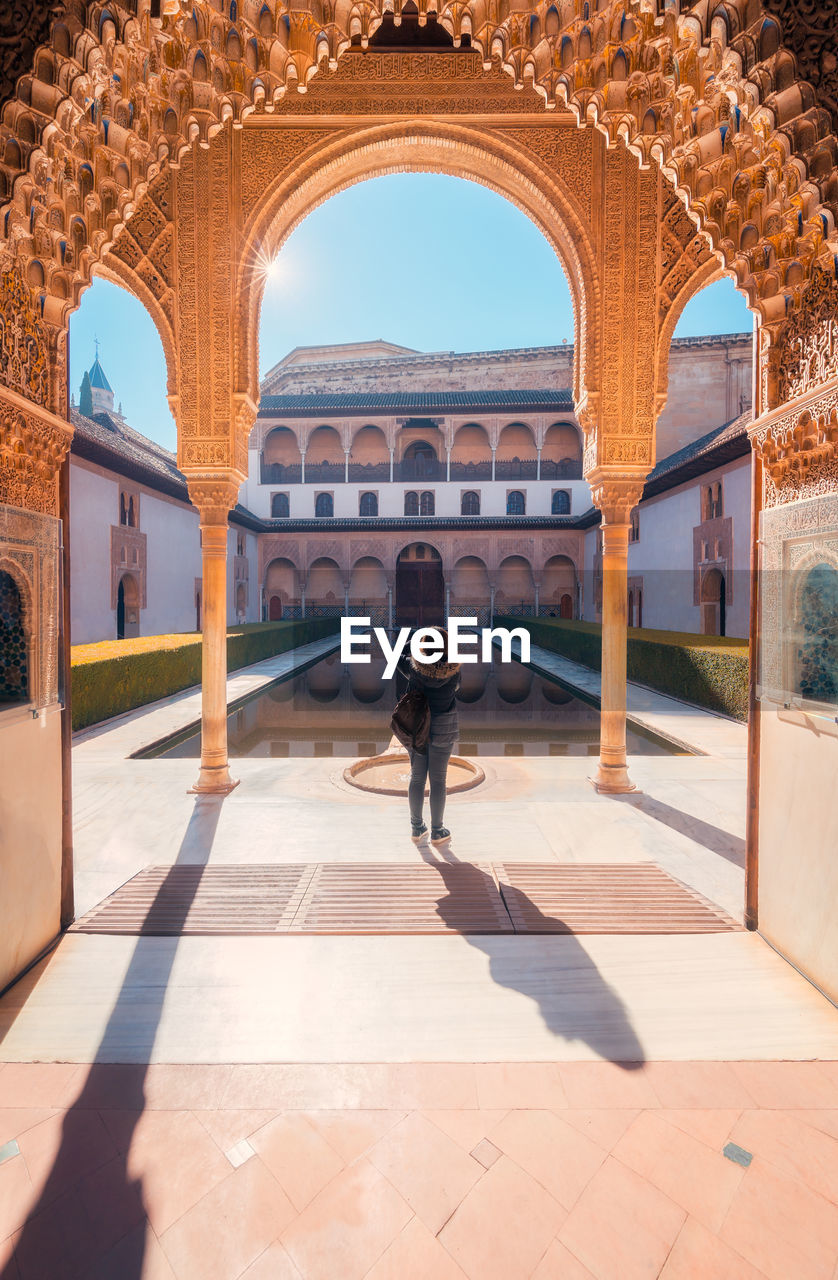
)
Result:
{"points": [[80, 1219], [716, 839], [575, 1003]]}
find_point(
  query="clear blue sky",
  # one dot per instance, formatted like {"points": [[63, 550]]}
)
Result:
{"points": [[429, 276]]}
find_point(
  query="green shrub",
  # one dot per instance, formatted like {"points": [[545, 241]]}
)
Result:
{"points": [[115, 676], [711, 671]]}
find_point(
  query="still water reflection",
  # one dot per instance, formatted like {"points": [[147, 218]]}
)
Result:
{"points": [[337, 710]]}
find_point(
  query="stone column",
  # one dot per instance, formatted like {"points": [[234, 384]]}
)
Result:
{"points": [[346, 597], [448, 463], [392, 452], [346, 467], [389, 606], [302, 466], [447, 601], [537, 586], [538, 463], [493, 461], [214, 499], [615, 499]]}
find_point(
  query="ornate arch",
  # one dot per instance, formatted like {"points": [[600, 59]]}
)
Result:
{"points": [[712, 97], [480, 155]]}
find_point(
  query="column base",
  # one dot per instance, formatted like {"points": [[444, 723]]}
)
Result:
{"points": [[612, 779], [213, 781]]}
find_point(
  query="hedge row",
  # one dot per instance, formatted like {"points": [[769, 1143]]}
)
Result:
{"points": [[710, 671], [115, 676]]}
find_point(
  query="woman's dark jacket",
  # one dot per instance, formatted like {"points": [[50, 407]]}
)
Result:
{"points": [[440, 690], [439, 682]]}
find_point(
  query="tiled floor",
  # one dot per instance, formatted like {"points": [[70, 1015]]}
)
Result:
{"points": [[419, 1172], [424, 1164]]}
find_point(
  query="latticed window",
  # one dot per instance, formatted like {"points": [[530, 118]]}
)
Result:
{"points": [[634, 526], [14, 660], [817, 622], [324, 505], [369, 504], [411, 503], [515, 503], [280, 507], [427, 504], [561, 503], [470, 504]]}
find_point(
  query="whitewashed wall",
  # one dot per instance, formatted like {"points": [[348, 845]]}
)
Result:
{"points": [[94, 508], [663, 556], [174, 562]]}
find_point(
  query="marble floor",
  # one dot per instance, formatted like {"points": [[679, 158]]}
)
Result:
{"points": [[571, 1171], [286, 1108]]}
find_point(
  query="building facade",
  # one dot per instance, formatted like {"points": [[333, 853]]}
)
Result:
{"points": [[135, 541], [410, 486]]}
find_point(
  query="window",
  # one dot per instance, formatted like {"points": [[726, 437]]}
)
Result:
{"points": [[711, 501], [561, 503], [240, 544], [129, 511], [515, 503], [280, 508], [324, 505], [817, 652], [470, 504], [368, 505], [411, 504], [634, 526], [14, 658], [427, 505]]}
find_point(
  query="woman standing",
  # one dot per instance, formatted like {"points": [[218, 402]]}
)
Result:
{"points": [[439, 681]]}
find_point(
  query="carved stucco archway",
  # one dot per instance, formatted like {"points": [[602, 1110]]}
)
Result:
{"points": [[111, 143], [462, 151]]}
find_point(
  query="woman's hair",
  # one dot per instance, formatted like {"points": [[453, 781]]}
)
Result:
{"points": [[441, 668]]}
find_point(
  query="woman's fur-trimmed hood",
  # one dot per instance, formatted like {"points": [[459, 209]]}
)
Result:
{"points": [[435, 670]]}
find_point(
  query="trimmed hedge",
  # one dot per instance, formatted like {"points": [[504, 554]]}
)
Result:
{"points": [[710, 671], [115, 676]]}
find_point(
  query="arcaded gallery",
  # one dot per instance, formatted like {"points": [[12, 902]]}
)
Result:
{"points": [[418, 754]]}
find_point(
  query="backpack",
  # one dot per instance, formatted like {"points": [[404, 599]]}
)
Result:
{"points": [[411, 722]]}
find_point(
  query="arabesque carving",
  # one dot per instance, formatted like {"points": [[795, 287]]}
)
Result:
{"points": [[799, 452], [808, 345], [33, 445], [721, 108], [24, 348]]}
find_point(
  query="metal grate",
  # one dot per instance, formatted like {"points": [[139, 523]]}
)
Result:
{"points": [[604, 898], [376, 898], [170, 901], [388, 898]]}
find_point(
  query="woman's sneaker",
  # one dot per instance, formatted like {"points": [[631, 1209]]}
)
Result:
{"points": [[439, 834], [418, 830]]}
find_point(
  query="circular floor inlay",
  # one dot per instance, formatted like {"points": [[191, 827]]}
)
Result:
{"points": [[389, 774]]}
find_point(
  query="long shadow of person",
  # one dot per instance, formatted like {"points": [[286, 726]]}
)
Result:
{"points": [[90, 1215], [574, 1000]]}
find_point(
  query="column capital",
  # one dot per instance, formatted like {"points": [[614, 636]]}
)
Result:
{"points": [[214, 495], [616, 494]]}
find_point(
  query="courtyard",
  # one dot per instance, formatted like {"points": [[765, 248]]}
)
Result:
{"points": [[256, 1020], [413, 1100]]}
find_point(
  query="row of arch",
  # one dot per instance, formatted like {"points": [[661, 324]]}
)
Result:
{"points": [[469, 579], [288, 454]]}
